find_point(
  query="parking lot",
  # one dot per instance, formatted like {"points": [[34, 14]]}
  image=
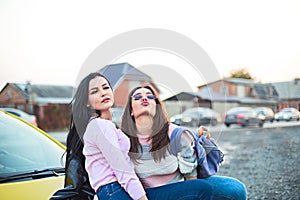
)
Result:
{"points": [[265, 159]]}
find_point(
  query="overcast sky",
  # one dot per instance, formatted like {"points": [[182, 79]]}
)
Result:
{"points": [[47, 42]]}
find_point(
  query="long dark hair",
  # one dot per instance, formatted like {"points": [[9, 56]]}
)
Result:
{"points": [[80, 116], [160, 128]]}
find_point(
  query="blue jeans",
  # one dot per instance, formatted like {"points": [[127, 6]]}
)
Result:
{"points": [[227, 188], [112, 191], [185, 190]]}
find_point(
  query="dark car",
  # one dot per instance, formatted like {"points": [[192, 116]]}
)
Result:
{"points": [[196, 117], [244, 116], [287, 114], [267, 112]]}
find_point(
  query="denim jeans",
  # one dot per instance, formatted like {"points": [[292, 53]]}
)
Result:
{"points": [[213, 187], [227, 188], [185, 190], [112, 191]]}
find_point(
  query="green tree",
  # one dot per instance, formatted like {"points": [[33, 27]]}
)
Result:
{"points": [[241, 73]]}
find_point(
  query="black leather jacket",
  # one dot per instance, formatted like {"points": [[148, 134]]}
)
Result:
{"points": [[77, 185]]}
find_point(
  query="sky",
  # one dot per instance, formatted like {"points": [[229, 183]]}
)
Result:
{"points": [[47, 42]]}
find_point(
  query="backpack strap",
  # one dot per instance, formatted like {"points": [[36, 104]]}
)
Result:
{"points": [[209, 156], [175, 139], [201, 147]]}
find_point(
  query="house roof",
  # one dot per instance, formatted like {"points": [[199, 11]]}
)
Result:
{"points": [[183, 96], [240, 81], [116, 73], [265, 91], [45, 93], [205, 96], [261, 90], [288, 90], [217, 97]]}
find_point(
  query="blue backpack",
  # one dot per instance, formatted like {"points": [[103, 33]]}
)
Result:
{"points": [[209, 156]]}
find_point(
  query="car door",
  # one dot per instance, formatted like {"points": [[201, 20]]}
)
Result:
{"points": [[253, 117]]}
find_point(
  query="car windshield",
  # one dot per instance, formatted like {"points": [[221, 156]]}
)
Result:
{"points": [[23, 148], [195, 111], [237, 111]]}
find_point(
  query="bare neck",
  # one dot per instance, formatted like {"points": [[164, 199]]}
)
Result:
{"points": [[106, 115], [144, 126]]}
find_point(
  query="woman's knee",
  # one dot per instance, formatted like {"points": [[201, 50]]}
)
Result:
{"points": [[228, 187], [201, 186], [239, 191]]}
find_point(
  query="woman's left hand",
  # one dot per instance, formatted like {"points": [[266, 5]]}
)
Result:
{"points": [[203, 129]]}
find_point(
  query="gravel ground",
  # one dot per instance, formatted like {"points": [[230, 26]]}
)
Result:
{"points": [[266, 160]]}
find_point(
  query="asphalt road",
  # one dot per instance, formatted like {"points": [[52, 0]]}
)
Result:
{"points": [[266, 159]]}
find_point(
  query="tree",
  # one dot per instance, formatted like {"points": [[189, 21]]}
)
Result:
{"points": [[241, 73]]}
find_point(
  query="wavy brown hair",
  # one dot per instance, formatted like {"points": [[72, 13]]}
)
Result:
{"points": [[160, 128]]}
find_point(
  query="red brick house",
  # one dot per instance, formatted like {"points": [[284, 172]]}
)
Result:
{"points": [[49, 103], [240, 92], [224, 94], [123, 78]]}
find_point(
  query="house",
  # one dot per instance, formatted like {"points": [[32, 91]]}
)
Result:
{"points": [[123, 77], [243, 92], [289, 93], [178, 103], [230, 92], [49, 103]]}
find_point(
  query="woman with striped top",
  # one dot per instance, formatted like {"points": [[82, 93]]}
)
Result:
{"points": [[166, 176]]}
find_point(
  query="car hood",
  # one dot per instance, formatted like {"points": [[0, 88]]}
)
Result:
{"points": [[33, 189]]}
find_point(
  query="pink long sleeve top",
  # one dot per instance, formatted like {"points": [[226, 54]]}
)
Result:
{"points": [[106, 151]]}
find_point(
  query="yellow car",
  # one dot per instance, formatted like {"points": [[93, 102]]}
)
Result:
{"points": [[31, 162]]}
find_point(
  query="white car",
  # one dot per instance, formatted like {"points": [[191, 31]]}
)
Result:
{"points": [[267, 112], [28, 117], [288, 114]]}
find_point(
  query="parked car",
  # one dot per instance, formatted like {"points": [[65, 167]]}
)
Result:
{"points": [[267, 112], [244, 116], [196, 117], [20, 113], [117, 113], [287, 114], [31, 161]]}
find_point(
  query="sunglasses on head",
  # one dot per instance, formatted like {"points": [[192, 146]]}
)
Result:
{"points": [[138, 96]]}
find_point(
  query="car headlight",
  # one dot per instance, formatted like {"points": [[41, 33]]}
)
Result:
{"points": [[187, 119], [172, 119]]}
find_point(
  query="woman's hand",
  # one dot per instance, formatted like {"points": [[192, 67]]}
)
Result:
{"points": [[190, 178], [143, 198], [203, 129]]}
